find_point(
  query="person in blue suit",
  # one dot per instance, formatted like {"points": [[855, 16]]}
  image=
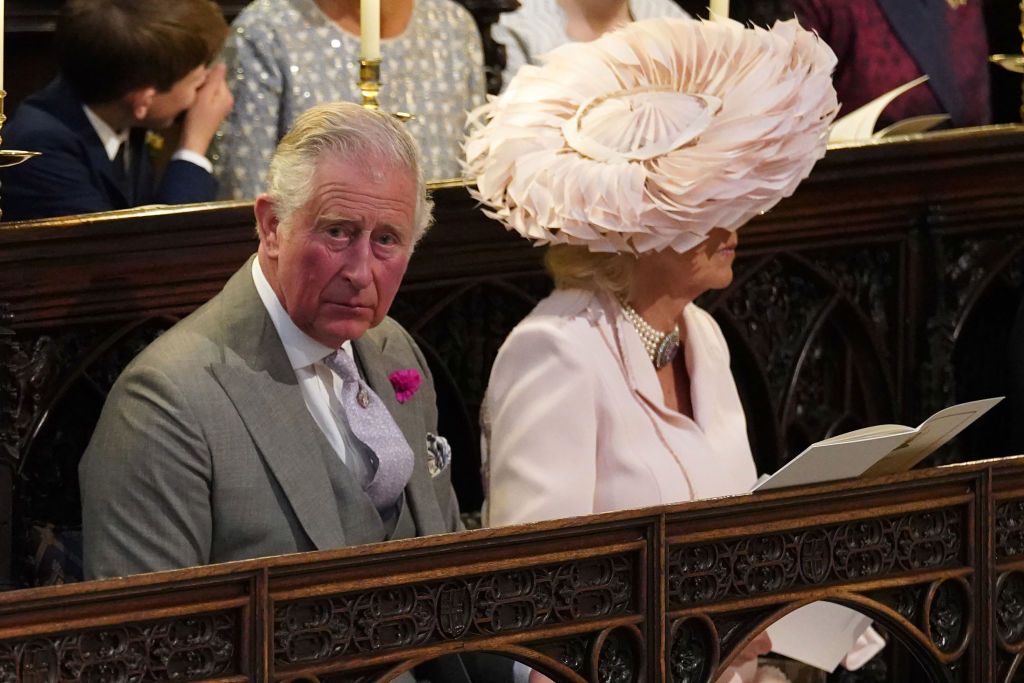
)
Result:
{"points": [[127, 68]]}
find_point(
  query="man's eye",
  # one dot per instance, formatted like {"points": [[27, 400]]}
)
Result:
{"points": [[336, 232], [387, 239]]}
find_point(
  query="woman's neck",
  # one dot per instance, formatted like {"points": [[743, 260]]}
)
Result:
{"points": [[662, 312], [657, 295], [589, 19], [394, 15]]}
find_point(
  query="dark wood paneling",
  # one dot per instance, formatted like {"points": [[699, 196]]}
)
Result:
{"points": [[669, 594]]}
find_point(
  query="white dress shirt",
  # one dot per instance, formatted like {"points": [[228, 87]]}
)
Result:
{"points": [[320, 386], [109, 138], [112, 140]]}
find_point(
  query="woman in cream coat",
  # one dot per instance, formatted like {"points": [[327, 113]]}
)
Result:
{"points": [[577, 418], [637, 156]]}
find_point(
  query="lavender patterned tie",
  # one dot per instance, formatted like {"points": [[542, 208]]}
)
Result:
{"points": [[372, 424]]}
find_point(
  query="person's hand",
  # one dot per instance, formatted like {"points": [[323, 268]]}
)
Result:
{"points": [[212, 105], [760, 645]]}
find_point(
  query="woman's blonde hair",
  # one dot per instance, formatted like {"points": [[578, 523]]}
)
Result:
{"points": [[576, 267]]}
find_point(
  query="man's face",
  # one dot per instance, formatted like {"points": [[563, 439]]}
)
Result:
{"points": [[166, 106], [338, 264]]}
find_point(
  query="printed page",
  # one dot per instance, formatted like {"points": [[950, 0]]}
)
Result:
{"points": [[832, 461], [872, 432], [933, 433], [875, 451], [819, 634]]}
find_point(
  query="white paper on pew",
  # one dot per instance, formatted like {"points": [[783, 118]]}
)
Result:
{"points": [[820, 634], [875, 451], [831, 461]]}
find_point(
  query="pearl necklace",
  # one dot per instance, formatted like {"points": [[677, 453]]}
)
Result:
{"points": [[661, 347]]}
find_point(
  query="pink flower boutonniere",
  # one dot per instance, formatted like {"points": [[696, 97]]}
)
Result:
{"points": [[406, 383]]}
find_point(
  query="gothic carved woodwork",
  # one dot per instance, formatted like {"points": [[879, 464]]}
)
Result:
{"points": [[692, 650], [816, 328], [194, 647], [1008, 590], [571, 598], [784, 561], [1009, 530], [27, 369], [402, 617]]}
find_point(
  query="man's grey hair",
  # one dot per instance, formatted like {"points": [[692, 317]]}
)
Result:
{"points": [[350, 133]]}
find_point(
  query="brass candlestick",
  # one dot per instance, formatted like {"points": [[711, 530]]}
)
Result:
{"points": [[1014, 63], [369, 86], [11, 157]]}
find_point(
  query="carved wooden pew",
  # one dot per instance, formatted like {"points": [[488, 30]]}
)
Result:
{"points": [[877, 293], [935, 557]]}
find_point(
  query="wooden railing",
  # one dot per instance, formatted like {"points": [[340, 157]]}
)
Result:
{"points": [[935, 557]]}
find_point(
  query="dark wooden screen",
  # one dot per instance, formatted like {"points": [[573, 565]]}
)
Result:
{"points": [[671, 594]]}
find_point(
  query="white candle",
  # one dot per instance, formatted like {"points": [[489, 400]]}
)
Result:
{"points": [[369, 29], [720, 7], [1, 44]]}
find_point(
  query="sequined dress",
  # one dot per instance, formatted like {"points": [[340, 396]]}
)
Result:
{"points": [[538, 26], [285, 56]]}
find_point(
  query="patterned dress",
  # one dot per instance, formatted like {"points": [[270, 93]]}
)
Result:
{"points": [[873, 59], [285, 56], [538, 26]]}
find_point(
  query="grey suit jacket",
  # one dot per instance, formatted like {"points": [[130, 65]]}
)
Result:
{"points": [[205, 451]]}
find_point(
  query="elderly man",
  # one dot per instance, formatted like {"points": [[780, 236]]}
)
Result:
{"points": [[288, 413]]}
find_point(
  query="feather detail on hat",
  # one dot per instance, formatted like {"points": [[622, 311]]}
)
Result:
{"points": [[652, 135]]}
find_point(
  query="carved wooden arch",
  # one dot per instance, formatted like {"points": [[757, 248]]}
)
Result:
{"points": [[832, 312], [595, 595], [919, 643], [47, 500], [971, 329], [1008, 581], [608, 654], [78, 372]]}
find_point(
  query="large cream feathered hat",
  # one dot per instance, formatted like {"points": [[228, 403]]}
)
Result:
{"points": [[653, 134]]}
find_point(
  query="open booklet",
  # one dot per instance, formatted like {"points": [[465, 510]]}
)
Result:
{"points": [[822, 634], [875, 451], [859, 125]]}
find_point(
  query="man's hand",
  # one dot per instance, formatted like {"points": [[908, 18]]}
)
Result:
{"points": [[213, 103]]}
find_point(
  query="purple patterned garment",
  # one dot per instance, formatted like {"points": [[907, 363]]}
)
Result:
{"points": [[873, 59]]}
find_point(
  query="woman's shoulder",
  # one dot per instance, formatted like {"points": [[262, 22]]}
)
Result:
{"points": [[529, 11], [539, 21], [260, 20], [263, 13], [564, 318], [561, 334], [654, 9], [446, 13]]}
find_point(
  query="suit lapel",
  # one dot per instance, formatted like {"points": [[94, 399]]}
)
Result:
{"points": [[921, 27], [265, 392], [140, 170], [60, 101], [376, 362]]}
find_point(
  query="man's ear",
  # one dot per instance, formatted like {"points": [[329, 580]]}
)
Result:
{"points": [[139, 102], [267, 224]]}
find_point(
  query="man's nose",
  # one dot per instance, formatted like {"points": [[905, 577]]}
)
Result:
{"points": [[356, 263]]}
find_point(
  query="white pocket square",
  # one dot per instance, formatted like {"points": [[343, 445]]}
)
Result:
{"points": [[439, 454]]}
